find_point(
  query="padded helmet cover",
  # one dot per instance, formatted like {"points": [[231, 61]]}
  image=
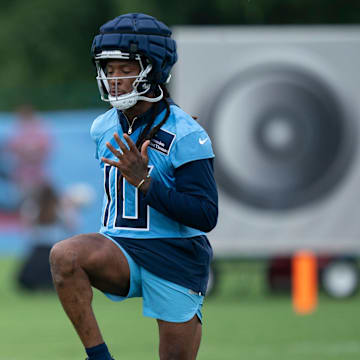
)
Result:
{"points": [[139, 34]]}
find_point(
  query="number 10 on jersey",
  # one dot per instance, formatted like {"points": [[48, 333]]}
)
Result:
{"points": [[125, 207]]}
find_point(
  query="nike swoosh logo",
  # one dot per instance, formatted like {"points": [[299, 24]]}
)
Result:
{"points": [[203, 141]]}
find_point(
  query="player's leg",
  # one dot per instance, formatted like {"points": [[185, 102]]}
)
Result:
{"points": [[179, 341], [79, 263], [178, 313]]}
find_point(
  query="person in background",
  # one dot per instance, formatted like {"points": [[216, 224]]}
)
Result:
{"points": [[30, 146], [40, 215], [23, 158], [49, 216], [28, 149], [160, 197]]}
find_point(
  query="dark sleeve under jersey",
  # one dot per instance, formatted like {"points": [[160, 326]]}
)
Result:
{"points": [[194, 201]]}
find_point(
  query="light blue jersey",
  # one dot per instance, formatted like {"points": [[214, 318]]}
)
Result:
{"points": [[125, 214]]}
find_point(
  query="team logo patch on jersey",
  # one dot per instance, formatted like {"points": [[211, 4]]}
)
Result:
{"points": [[162, 141]]}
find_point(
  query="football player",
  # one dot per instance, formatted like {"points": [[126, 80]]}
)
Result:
{"points": [[160, 196]]}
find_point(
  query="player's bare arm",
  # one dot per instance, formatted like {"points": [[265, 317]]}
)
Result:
{"points": [[132, 163]]}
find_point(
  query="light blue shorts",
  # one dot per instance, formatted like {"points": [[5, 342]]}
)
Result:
{"points": [[162, 299]]}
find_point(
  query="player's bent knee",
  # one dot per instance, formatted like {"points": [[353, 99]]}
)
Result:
{"points": [[63, 261]]}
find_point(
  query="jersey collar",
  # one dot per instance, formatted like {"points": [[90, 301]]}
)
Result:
{"points": [[143, 118]]}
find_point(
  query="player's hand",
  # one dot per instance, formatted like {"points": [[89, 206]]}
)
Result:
{"points": [[132, 163]]}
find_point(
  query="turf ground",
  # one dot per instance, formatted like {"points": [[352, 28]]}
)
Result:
{"points": [[242, 321]]}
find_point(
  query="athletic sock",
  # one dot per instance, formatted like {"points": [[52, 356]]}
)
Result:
{"points": [[98, 352]]}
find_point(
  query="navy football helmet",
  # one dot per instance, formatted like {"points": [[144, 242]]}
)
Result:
{"points": [[134, 37]]}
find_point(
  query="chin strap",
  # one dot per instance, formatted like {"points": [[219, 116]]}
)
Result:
{"points": [[129, 101], [155, 99]]}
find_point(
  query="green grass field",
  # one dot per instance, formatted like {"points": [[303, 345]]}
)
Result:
{"points": [[242, 321]]}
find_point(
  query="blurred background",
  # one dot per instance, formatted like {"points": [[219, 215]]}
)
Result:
{"points": [[276, 85]]}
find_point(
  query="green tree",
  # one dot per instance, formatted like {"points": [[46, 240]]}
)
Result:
{"points": [[45, 45]]}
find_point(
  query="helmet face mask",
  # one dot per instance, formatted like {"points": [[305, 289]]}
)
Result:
{"points": [[136, 37], [141, 84]]}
